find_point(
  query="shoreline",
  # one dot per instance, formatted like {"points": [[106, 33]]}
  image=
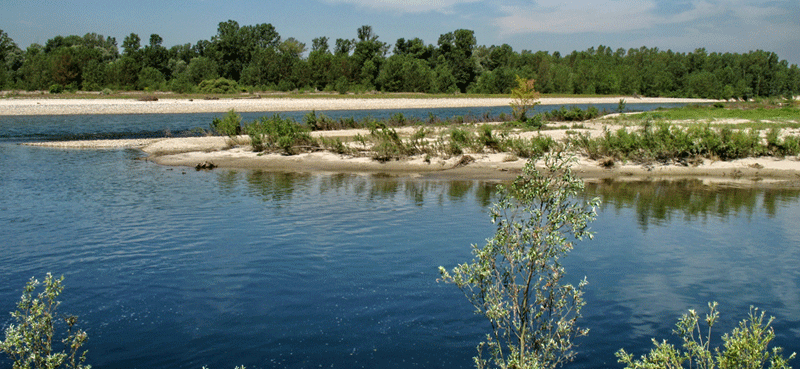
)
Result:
{"points": [[54, 106], [189, 152]]}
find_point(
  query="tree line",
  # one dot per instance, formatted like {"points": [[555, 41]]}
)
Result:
{"points": [[256, 58]]}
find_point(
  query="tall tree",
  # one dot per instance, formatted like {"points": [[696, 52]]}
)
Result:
{"points": [[456, 49]]}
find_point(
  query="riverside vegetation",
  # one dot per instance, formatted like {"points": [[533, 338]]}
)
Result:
{"points": [[685, 136]]}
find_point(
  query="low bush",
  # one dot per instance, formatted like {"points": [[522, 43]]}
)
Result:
{"points": [[278, 134], [230, 125], [218, 86], [747, 346], [574, 114], [388, 145], [663, 142], [29, 342]]}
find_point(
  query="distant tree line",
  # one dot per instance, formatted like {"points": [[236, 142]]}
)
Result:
{"points": [[256, 58]]}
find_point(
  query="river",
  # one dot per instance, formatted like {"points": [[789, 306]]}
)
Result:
{"points": [[176, 268]]}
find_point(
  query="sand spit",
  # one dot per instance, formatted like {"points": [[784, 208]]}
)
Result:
{"points": [[43, 106], [225, 152]]}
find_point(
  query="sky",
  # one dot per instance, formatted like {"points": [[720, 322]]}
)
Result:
{"points": [[549, 25]]}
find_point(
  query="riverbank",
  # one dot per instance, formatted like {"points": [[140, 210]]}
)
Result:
{"points": [[224, 152], [54, 106]]}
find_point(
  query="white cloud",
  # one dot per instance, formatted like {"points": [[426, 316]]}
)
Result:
{"points": [[406, 6], [610, 16]]}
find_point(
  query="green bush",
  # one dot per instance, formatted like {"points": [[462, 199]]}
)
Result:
{"points": [[229, 126], [56, 88], [29, 342], [664, 142], [278, 134], [575, 114], [218, 86], [747, 346], [388, 144], [515, 280]]}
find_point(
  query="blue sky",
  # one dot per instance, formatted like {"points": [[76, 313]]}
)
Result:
{"points": [[550, 25]]}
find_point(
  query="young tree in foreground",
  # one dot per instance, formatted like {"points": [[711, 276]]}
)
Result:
{"points": [[29, 342], [515, 280], [745, 347]]}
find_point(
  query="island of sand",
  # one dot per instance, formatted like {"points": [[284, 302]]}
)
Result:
{"points": [[235, 152]]}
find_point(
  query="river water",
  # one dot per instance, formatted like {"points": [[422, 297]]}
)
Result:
{"points": [[176, 268]]}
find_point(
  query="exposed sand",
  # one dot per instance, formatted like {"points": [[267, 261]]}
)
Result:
{"points": [[224, 152], [44, 106]]}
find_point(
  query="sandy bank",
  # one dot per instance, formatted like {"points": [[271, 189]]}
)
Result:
{"points": [[225, 153], [42, 106]]}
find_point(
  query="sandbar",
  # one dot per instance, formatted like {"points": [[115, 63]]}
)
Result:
{"points": [[226, 152]]}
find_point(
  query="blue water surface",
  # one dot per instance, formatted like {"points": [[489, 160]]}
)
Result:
{"points": [[168, 267]]}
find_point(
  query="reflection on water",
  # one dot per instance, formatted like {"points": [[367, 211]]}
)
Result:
{"points": [[180, 269], [278, 188], [660, 202]]}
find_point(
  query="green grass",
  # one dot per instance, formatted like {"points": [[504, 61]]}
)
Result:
{"points": [[754, 113]]}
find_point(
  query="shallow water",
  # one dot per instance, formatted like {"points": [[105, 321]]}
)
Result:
{"points": [[172, 267]]}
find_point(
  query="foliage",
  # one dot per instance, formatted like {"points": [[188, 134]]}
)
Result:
{"points": [[257, 57], [747, 346], [29, 342], [278, 134], [662, 141], [230, 125], [218, 86], [574, 114], [388, 144], [621, 106], [516, 279], [524, 98]]}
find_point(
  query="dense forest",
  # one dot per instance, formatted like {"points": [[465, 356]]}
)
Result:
{"points": [[256, 58]]}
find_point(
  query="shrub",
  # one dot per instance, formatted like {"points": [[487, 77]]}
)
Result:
{"points": [[388, 144], [487, 139], [524, 98], [56, 88], [29, 342], [745, 347], [278, 134], [515, 280], [334, 145], [218, 86], [572, 115], [229, 126]]}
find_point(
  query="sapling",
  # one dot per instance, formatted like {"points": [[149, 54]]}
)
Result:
{"points": [[517, 279]]}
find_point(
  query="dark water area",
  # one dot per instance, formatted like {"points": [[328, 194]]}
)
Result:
{"points": [[176, 268], [14, 129]]}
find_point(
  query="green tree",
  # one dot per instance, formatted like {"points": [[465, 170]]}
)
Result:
{"points": [[233, 47], [29, 342], [155, 55], [747, 346], [368, 56], [456, 49], [516, 279], [131, 44], [8, 58]]}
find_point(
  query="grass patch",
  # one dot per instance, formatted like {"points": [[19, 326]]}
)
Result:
{"points": [[753, 112]]}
